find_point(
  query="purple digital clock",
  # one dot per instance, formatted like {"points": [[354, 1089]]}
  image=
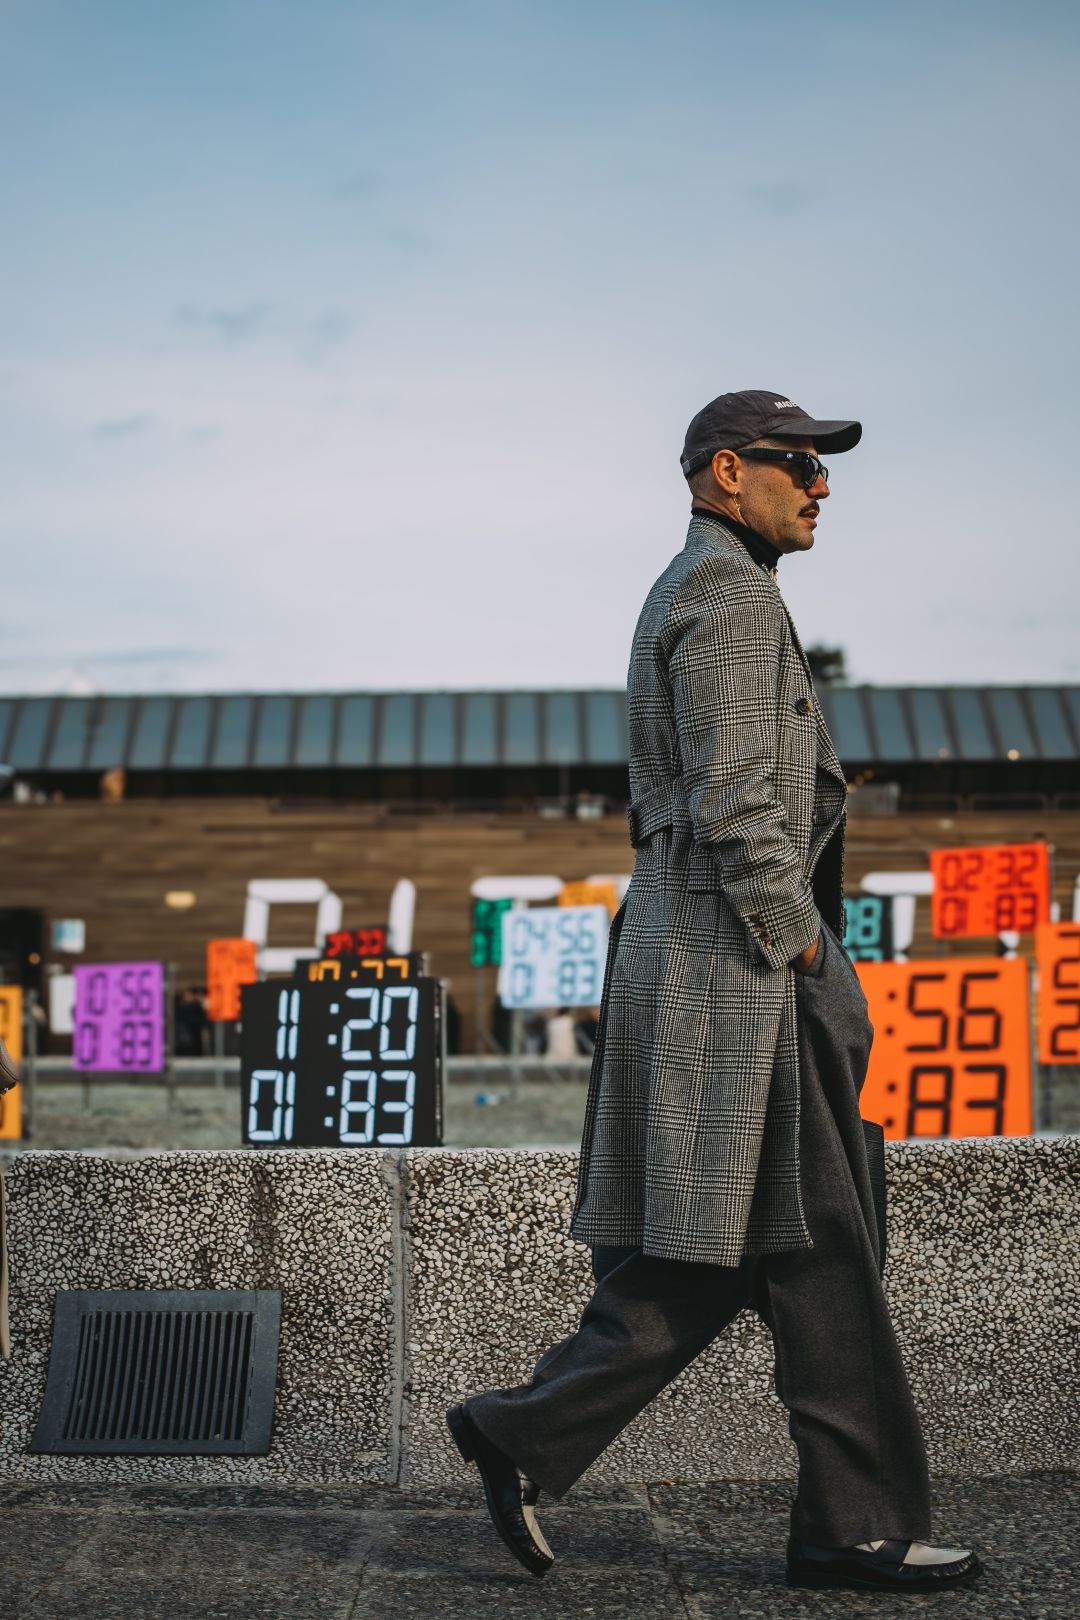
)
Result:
{"points": [[120, 1017]]}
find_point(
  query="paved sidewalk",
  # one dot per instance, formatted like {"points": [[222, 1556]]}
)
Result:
{"points": [[672, 1551]]}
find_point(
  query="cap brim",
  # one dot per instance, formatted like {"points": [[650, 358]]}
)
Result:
{"points": [[830, 438]]}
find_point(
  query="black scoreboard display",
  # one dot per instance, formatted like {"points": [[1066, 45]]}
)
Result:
{"points": [[349, 1062]]}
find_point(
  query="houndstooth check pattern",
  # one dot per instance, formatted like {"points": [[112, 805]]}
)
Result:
{"points": [[691, 1140]]}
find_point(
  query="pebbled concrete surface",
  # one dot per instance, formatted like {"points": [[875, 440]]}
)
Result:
{"points": [[669, 1551], [318, 1227], [983, 1283], [411, 1280]]}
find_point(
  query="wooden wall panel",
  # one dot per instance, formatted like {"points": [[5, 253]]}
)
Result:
{"points": [[112, 864]]}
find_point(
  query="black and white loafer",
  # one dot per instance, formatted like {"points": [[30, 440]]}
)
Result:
{"points": [[511, 1498], [896, 1566]]}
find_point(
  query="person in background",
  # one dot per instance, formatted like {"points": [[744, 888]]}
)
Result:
{"points": [[585, 1031], [192, 1026], [453, 1026], [561, 1043]]}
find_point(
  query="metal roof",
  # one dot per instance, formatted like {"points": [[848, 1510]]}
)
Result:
{"points": [[372, 730]]}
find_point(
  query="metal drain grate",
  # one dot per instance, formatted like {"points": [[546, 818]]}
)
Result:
{"points": [[153, 1374]]}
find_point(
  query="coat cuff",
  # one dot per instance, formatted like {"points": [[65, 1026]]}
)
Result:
{"points": [[781, 938]]}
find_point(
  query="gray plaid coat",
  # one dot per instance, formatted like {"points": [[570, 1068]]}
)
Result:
{"points": [[738, 803]]}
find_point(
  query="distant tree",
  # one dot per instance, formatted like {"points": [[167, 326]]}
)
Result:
{"points": [[828, 665]]}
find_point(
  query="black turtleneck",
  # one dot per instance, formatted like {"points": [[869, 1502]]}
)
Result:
{"points": [[762, 550]]}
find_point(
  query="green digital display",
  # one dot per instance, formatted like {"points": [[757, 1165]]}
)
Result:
{"points": [[487, 931]]}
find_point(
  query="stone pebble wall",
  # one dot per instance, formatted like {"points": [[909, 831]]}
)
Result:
{"points": [[411, 1279]]}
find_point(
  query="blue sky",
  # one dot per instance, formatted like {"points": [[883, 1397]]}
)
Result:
{"points": [[353, 344]]}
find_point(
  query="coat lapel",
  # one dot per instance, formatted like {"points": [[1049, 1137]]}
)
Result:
{"points": [[711, 531]]}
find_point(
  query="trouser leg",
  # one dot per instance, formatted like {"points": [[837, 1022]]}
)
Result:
{"points": [[647, 1320], [862, 1464], [838, 1367], [604, 1259]]}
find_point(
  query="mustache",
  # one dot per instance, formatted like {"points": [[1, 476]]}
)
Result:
{"points": [[810, 510]]}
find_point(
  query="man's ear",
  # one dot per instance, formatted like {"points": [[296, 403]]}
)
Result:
{"points": [[725, 469]]}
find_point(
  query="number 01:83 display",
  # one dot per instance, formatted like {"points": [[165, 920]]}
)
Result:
{"points": [[323, 1065], [998, 888]]}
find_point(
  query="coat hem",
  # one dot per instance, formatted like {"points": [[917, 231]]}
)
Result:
{"points": [[689, 1253]]}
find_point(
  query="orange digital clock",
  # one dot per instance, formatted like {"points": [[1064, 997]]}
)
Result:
{"points": [[994, 889], [1057, 954], [952, 1047], [230, 964], [11, 1008]]}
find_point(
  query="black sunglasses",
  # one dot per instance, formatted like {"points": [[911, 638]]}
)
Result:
{"points": [[808, 467]]}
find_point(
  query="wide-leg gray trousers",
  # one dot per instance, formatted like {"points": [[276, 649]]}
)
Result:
{"points": [[862, 1465]]}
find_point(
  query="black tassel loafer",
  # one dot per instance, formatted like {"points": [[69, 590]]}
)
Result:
{"points": [[511, 1498], [895, 1566]]}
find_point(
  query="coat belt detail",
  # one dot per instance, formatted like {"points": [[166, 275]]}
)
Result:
{"points": [[651, 811]]}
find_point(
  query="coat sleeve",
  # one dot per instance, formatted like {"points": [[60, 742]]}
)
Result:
{"points": [[724, 669]]}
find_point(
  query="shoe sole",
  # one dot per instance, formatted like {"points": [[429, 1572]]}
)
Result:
{"points": [[460, 1429], [822, 1579]]}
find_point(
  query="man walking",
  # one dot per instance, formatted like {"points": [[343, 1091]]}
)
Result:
{"points": [[724, 1163]]}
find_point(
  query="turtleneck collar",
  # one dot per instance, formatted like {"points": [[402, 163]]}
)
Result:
{"points": [[762, 550]]}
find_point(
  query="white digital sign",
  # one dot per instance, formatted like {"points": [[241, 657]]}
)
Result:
{"points": [[553, 956]]}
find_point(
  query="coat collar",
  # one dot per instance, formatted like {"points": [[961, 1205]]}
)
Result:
{"points": [[764, 553], [713, 533], [709, 529]]}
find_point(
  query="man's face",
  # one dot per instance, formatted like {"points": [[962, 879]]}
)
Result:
{"points": [[775, 502]]}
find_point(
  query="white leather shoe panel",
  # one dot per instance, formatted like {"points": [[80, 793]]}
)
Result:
{"points": [[920, 1552]]}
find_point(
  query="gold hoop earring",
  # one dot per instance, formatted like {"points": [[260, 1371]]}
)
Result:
{"points": [[738, 511]]}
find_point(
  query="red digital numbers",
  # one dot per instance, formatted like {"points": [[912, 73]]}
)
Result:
{"points": [[1000, 888], [357, 942]]}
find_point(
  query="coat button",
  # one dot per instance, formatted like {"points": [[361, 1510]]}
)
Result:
{"points": [[805, 705]]}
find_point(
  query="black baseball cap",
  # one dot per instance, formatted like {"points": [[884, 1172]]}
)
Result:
{"points": [[732, 420]]}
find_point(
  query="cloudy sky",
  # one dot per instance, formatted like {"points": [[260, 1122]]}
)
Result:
{"points": [[350, 343]]}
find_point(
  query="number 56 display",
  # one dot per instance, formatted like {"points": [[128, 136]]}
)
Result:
{"points": [[120, 1017], [952, 1047], [553, 956]]}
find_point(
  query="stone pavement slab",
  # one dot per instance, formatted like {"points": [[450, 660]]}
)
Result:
{"points": [[722, 1544], [672, 1551]]}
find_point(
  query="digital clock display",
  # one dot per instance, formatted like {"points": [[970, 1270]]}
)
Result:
{"points": [[1057, 947], [119, 1018], [553, 956], [356, 942], [230, 964], [341, 1064], [487, 918], [348, 969], [995, 889], [868, 927], [952, 1047]]}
